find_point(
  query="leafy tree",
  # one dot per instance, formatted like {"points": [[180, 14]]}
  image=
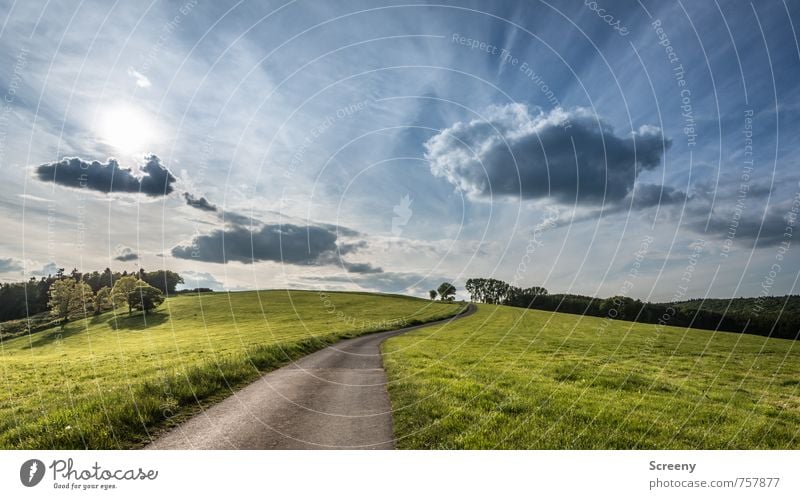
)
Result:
{"points": [[145, 297], [69, 298], [102, 300], [447, 291], [121, 293], [432, 294], [164, 280]]}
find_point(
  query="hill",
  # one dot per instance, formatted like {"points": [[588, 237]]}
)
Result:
{"points": [[513, 378], [110, 381]]}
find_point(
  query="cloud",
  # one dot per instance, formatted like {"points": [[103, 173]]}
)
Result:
{"points": [[361, 268], [125, 254], [141, 80], [10, 265], [386, 282], [199, 203], [192, 279], [154, 179], [287, 243], [647, 195], [762, 229], [567, 156], [49, 269]]}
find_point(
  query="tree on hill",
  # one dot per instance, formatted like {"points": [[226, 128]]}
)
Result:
{"points": [[102, 300], [447, 291], [68, 298], [121, 292], [432, 294], [145, 297], [136, 294]]}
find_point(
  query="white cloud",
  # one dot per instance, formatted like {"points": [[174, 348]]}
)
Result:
{"points": [[142, 81]]}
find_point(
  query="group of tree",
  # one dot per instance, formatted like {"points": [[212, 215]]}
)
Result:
{"points": [[497, 292], [19, 300], [777, 317], [445, 292], [70, 298]]}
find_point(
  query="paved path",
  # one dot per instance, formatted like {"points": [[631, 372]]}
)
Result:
{"points": [[335, 398]]}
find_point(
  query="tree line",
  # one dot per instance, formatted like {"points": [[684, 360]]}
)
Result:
{"points": [[497, 292], [777, 317], [20, 300]]}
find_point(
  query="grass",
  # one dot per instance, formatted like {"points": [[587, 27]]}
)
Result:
{"points": [[110, 381], [526, 379]]}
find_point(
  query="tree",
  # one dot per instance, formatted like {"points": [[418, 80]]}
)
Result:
{"points": [[68, 298], [102, 300], [145, 297], [447, 291], [121, 292], [432, 293], [164, 280]]}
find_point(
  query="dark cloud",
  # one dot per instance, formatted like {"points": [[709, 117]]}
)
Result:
{"points": [[287, 243], [49, 269], [199, 203], [361, 268], [10, 265], [567, 155], [754, 227], [154, 180], [647, 195], [125, 254]]}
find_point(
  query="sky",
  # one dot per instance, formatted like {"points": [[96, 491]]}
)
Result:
{"points": [[637, 148]]}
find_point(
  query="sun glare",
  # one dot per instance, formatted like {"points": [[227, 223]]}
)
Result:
{"points": [[126, 129]]}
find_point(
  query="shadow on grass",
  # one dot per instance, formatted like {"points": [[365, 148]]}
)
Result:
{"points": [[57, 334], [136, 321], [133, 322]]}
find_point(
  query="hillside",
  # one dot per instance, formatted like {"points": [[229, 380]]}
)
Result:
{"points": [[513, 378], [110, 381], [767, 305]]}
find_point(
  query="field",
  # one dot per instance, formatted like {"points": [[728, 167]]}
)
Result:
{"points": [[527, 379], [109, 381]]}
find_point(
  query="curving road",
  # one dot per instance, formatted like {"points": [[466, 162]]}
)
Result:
{"points": [[335, 398]]}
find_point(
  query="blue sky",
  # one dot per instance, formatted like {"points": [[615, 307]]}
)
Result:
{"points": [[645, 148]]}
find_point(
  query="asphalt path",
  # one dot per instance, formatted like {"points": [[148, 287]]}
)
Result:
{"points": [[335, 398]]}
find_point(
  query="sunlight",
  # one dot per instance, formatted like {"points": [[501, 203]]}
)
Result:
{"points": [[126, 129]]}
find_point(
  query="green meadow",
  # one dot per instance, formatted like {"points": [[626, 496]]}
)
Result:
{"points": [[512, 378], [111, 380]]}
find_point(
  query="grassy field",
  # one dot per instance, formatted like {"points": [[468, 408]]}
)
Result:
{"points": [[511, 378], [108, 382]]}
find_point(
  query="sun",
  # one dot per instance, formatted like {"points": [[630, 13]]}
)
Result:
{"points": [[126, 129]]}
